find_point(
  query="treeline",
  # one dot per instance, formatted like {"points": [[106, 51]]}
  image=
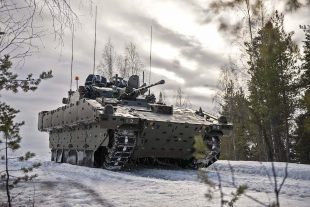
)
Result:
{"points": [[270, 110], [124, 64]]}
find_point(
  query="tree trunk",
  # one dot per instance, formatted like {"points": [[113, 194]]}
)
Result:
{"points": [[7, 171]]}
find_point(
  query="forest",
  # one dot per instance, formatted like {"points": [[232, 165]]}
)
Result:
{"points": [[263, 89], [267, 99]]}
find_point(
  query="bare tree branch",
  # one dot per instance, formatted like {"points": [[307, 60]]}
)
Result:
{"points": [[20, 24]]}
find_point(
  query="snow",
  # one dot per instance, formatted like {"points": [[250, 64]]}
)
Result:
{"points": [[70, 185]]}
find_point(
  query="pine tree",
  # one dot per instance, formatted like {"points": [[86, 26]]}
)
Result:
{"points": [[272, 86], [9, 129], [302, 147], [242, 145], [245, 134]]}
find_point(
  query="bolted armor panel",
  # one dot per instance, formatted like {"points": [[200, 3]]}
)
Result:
{"points": [[110, 124]]}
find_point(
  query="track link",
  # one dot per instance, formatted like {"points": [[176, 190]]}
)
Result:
{"points": [[119, 153]]}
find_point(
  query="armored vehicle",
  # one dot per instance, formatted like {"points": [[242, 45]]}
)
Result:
{"points": [[109, 124]]}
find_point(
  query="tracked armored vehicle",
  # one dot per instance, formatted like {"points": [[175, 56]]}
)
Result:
{"points": [[111, 124]]}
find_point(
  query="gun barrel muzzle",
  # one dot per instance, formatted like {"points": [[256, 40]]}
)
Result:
{"points": [[161, 82]]}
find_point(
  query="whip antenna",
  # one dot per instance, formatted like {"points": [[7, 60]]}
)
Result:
{"points": [[71, 58], [95, 42], [150, 60]]}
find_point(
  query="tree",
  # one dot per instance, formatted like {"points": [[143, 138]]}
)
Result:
{"points": [[244, 142], [9, 129], [273, 90], [181, 100], [245, 139], [125, 65], [162, 98], [11, 139], [19, 27], [122, 67], [303, 120], [225, 199], [108, 64], [273, 86], [132, 59], [264, 126], [253, 15]]}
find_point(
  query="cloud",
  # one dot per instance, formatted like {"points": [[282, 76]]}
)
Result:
{"points": [[189, 46], [202, 57], [122, 22], [190, 60]]}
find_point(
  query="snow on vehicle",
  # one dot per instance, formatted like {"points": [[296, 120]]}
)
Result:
{"points": [[109, 124]]}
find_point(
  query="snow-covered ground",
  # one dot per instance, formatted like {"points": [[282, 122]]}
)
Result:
{"points": [[69, 185]]}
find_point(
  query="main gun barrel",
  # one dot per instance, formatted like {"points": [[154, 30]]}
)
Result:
{"points": [[154, 84], [137, 91]]}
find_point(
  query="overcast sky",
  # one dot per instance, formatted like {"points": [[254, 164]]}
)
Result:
{"points": [[187, 52]]}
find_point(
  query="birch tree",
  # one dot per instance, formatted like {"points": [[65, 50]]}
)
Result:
{"points": [[107, 65]]}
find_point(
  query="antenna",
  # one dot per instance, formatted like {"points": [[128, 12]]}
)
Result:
{"points": [[95, 42], [150, 60], [143, 77], [77, 82], [71, 58]]}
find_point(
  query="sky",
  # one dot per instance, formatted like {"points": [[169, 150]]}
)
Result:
{"points": [[187, 52]]}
